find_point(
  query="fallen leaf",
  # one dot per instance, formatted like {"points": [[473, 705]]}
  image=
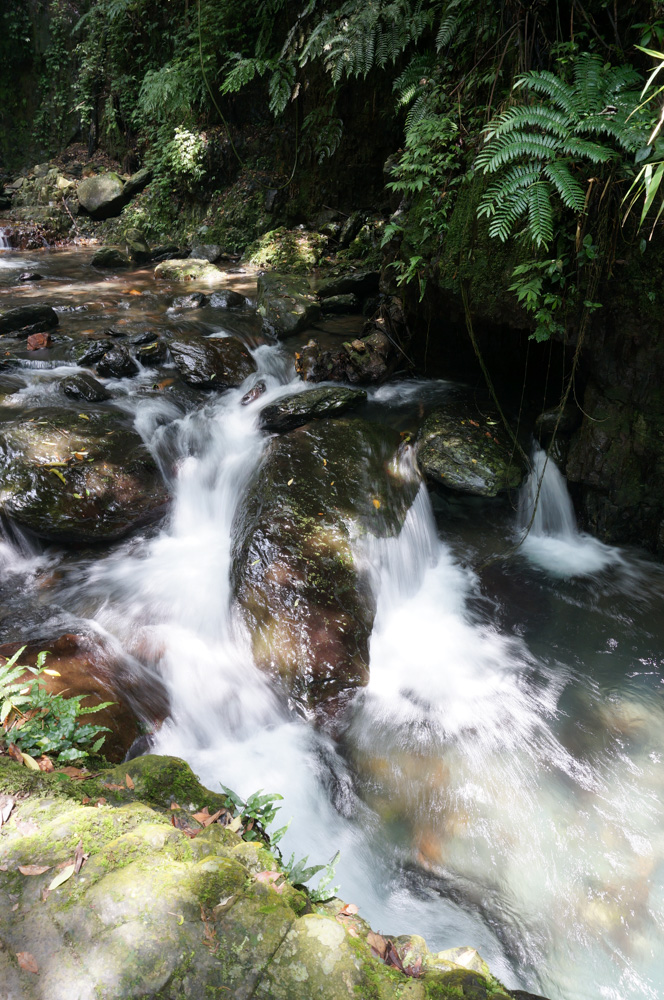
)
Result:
{"points": [[6, 806], [473, 422], [84, 416], [14, 907], [271, 879], [128, 781], [113, 787], [378, 944], [165, 382], [74, 772], [37, 341], [25, 827], [33, 869], [101, 802], [204, 817], [56, 472], [79, 857], [376, 503], [290, 482], [349, 910], [45, 764], [4, 868], [235, 824], [27, 961], [134, 291], [85, 800], [414, 970], [392, 957], [62, 877], [174, 805], [52, 673], [15, 753], [352, 932]]}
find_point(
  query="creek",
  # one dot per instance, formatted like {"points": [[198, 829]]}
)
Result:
{"points": [[500, 781]]}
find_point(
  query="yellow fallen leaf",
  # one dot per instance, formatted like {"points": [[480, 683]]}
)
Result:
{"points": [[235, 824], [84, 416], [376, 503], [56, 472], [29, 761], [62, 877], [289, 482], [52, 673]]}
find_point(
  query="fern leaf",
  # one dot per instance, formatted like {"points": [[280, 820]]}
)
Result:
{"points": [[587, 150], [548, 84], [568, 188], [540, 214]]}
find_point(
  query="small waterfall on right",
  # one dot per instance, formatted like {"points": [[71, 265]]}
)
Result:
{"points": [[4, 240], [546, 518]]}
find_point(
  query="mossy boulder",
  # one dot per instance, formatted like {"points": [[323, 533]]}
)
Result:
{"points": [[296, 251], [300, 407], [137, 246], [286, 304], [164, 908], [303, 594], [190, 269], [27, 319], [218, 363], [78, 477], [467, 454]]}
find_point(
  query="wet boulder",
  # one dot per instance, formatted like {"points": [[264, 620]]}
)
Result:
{"points": [[301, 589], [190, 269], [24, 320], [227, 299], [154, 353], [300, 407], [88, 352], [103, 196], [468, 454], [137, 182], [220, 363], [194, 301], [360, 283], [340, 304], [117, 363], [84, 387], [78, 477], [362, 361], [109, 258], [206, 251], [286, 304]]}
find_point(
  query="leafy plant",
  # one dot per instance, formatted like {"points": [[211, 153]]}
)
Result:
{"points": [[647, 183], [41, 723], [538, 150], [298, 873], [257, 813]]}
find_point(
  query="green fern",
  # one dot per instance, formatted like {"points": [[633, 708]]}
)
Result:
{"points": [[543, 150]]}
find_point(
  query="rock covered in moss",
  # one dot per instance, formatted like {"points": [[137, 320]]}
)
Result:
{"points": [[292, 251], [340, 304], [286, 304], [305, 598], [218, 363], [156, 912], [189, 269], [137, 246], [467, 455], [300, 407], [78, 478]]}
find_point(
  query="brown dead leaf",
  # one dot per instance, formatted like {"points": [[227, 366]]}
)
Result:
{"points": [[473, 422], [376, 503], [101, 802], [6, 806], [79, 857], [271, 879], [134, 291], [45, 764], [392, 957], [75, 772], [33, 869], [175, 806], [414, 970], [204, 817], [113, 787], [349, 910], [15, 753], [4, 868], [129, 783], [27, 961], [352, 932], [85, 800], [165, 382], [378, 944]]}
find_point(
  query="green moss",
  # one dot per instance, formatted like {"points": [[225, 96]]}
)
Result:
{"points": [[163, 780], [295, 251]]}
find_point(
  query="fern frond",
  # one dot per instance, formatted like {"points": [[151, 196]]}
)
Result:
{"points": [[584, 148], [517, 146], [531, 116], [549, 85], [540, 214], [506, 214], [569, 190]]}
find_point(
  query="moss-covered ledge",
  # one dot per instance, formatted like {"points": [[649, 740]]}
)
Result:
{"points": [[156, 913]]}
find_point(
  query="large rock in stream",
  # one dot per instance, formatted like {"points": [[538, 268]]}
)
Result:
{"points": [[304, 594], [468, 455], [300, 407], [168, 905], [286, 304], [77, 477], [219, 363], [103, 196]]}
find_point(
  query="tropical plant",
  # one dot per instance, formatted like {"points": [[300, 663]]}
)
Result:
{"points": [[648, 181], [38, 722], [549, 145]]}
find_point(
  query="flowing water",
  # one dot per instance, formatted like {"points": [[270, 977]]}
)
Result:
{"points": [[500, 781]]}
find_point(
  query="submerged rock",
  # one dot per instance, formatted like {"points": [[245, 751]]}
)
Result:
{"points": [[109, 257], [103, 196], [85, 387], [227, 299], [286, 304], [194, 301], [24, 320], [305, 599], [154, 353], [137, 246], [467, 455], [301, 407], [88, 352], [78, 478], [254, 393], [190, 269], [223, 362]]}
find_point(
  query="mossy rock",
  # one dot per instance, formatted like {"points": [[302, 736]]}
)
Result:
{"points": [[189, 269], [296, 251], [467, 455], [217, 363], [300, 407], [306, 601], [153, 912], [78, 478], [108, 257], [286, 304]]}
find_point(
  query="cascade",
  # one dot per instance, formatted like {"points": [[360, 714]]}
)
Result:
{"points": [[4, 240], [546, 518]]}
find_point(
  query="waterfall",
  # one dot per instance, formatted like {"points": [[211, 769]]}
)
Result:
{"points": [[4, 240], [546, 517]]}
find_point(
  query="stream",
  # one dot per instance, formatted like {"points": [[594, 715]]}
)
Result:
{"points": [[500, 782]]}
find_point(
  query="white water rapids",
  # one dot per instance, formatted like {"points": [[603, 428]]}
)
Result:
{"points": [[501, 779]]}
